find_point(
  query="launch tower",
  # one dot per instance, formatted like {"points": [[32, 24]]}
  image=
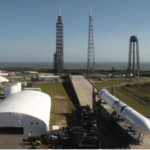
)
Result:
{"points": [[133, 60], [58, 56], [91, 57]]}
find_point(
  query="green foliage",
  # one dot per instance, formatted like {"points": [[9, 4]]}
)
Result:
{"points": [[29, 69], [138, 104], [106, 83], [45, 70], [139, 90]]}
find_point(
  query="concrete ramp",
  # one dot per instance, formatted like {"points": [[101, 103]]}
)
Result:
{"points": [[83, 89]]}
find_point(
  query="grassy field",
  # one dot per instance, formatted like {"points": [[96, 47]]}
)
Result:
{"points": [[136, 103], [63, 101], [141, 91], [107, 82]]}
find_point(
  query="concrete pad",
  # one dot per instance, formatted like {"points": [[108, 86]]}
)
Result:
{"points": [[83, 89]]}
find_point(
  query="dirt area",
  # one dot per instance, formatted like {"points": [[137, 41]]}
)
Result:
{"points": [[60, 97], [60, 113]]}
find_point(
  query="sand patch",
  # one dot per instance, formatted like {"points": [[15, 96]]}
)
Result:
{"points": [[60, 108], [60, 97]]}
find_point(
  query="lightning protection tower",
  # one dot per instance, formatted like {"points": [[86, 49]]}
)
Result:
{"points": [[133, 59], [91, 57], [58, 56]]}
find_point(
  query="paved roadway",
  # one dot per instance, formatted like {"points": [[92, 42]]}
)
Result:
{"points": [[83, 89], [15, 141]]}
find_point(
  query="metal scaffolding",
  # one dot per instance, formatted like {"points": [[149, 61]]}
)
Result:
{"points": [[133, 58], [58, 56], [91, 57]]}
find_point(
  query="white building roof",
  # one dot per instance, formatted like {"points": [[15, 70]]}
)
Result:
{"points": [[30, 71], [2, 79], [3, 74], [48, 76], [32, 103]]}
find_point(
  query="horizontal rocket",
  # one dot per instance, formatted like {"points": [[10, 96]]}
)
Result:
{"points": [[138, 122]]}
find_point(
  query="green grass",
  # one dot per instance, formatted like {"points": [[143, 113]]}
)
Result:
{"points": [[61, 89], [107, 82], [20, 80], [141, 91], [134, 102]]}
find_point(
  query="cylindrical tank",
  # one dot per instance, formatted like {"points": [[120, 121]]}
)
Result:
{"points": [[18, 85], [9, 89]]}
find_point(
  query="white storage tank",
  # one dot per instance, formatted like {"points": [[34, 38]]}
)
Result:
{"points": [[9, 89], [18, 85]]}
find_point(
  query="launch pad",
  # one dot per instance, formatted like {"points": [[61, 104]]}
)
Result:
{"points": [[113, 129]]}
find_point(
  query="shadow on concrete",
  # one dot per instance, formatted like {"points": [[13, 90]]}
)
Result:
{"points": [[2, 96], [69, 90], [11, 130], [27, 143]]}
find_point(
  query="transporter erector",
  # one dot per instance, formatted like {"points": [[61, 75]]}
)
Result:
{"points": [[137, 121]]}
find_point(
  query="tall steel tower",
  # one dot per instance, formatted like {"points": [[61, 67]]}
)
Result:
{"points": [[133, 59], [58, 56], [91, 57]]}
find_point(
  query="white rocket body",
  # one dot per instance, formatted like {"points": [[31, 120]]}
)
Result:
{"points": [[138, 122]]}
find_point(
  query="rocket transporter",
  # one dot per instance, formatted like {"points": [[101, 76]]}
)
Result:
{"points": [[138, 122]]}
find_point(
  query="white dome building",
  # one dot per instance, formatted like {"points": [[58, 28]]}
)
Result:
{"points": [[25, 112], [2, 79]]}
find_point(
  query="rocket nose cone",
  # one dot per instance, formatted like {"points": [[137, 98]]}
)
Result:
{"points": [[147, 126], [143, 125]]}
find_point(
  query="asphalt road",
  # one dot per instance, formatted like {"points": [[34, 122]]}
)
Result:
{"points": [[15, 141]]}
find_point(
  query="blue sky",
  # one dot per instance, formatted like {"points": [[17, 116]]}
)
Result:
{"points": [[28, 29]]}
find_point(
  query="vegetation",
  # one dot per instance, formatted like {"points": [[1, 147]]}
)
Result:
{"points": [[29, 69], [107, 83], [63, 101], [141, 91], [134, 102], [21, 80], [97, 72]]}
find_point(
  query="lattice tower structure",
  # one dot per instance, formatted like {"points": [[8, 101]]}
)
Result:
{"points": [[133, 58], [91, 56], [58, 56]]}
